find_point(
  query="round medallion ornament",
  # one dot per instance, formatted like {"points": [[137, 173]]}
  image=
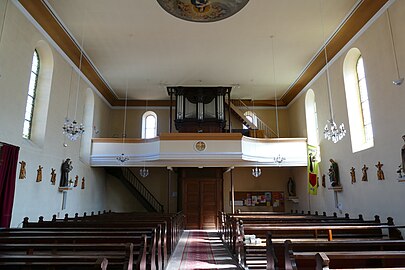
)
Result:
{"points": [[200, 146], [202, 10]]}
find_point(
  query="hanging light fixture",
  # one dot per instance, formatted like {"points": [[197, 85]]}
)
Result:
{"points": [[124, 158], [277, 159], [256, 172], [331, 130], [144, 172], [399, 79], [71, 128]]}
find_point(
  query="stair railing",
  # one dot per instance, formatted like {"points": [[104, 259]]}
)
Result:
{"points": [[269, 133], [137, 184]]}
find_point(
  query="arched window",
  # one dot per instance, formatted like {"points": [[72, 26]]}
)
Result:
{"points": [[32, 91], [149, 125], [312, 118], [361, 130], [251, 116], [39, 93]]}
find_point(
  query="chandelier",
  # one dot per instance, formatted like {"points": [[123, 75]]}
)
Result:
{"points": [[331, 130], [143, 172], [122, 158], [256, 172], [72, 130]]}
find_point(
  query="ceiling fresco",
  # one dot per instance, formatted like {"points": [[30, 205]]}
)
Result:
{"points": [[202, 10]]}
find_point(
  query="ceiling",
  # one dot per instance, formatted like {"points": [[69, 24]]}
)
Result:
{"points": [[139, 42]]}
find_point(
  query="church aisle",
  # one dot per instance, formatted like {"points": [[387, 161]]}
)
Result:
{"points": [[201, 249]]}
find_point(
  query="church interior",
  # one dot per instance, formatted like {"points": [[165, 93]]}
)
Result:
{"points": [[201, 107]]}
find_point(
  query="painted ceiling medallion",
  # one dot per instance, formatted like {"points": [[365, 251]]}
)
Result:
{"points": [[202, 10]]}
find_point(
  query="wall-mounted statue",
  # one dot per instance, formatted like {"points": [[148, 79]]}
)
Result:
{"points": [[291, 187], [334, 173], [401, 167], [53, 176], [353, 175], [380, 173], [39, 173], [65, 169], [76, 181], [364, 170], [23, 171]]}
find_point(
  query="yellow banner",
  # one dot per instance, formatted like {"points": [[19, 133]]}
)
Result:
{"points": [[312, 170]]}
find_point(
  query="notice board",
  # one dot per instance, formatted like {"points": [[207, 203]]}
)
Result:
{"points": [[274, 199]]}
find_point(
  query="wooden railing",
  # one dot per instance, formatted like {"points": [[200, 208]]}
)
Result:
{"points": [[240, 108]]}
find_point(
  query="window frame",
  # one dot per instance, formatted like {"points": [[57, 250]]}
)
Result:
{"points": [[35, 73], [144, 124], [311, 116], [252, 117], [364, 101], [356, 112]]}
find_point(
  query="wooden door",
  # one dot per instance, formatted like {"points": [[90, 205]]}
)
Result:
{"points": [[201, 197], [191, 207], [209, 204]]}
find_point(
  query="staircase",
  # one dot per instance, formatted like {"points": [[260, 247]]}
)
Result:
{"points": [[261, 130], [135, 186]]}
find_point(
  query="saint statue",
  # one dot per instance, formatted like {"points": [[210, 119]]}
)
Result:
{"points": [[76, 181], [53, 176], [364, 170], [402, 166], [334, 173], [353, 174], [380, 173], [39, 173], [66, 168], [23, 171]]}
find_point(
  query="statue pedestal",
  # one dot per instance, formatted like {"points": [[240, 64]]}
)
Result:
{"points": [[401, 179], [336, 189], [62, 189], [294, 199]]}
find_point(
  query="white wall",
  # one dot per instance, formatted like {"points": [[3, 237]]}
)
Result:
{"points": [[382, 197], [31, 198]]}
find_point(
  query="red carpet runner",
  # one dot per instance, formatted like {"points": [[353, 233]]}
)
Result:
{"points": [[197, 253]]}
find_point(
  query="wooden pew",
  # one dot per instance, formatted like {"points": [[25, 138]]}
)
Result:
{"points": [[90, 235], [34, 262], [232, 221], [323, 261], [352, 254], [174, 226], [308, 232], [175, 222], [109, 247]]}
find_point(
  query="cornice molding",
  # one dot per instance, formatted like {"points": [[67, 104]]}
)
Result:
{"points": [[365, 11], [50, 24]]}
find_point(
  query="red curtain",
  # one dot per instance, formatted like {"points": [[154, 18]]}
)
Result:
{"points": [[8, 167]]}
